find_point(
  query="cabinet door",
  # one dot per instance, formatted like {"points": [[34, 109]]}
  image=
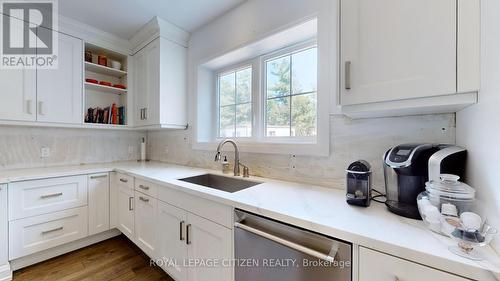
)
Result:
{"points": [[60, 91], [147, 84], [125, 204], [145, 223], [172, 249], [394, 50], [208, 241], [18, 94], [376, 266], [98, 203], [3, 225], [141, 86]]}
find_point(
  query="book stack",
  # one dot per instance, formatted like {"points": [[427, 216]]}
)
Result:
{"points": [[108, 115]]}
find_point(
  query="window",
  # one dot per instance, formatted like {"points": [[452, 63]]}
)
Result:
{"points": [[235, 103], [284, 104], [291, 94]]}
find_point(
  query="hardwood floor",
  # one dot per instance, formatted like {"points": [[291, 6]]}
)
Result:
{"points": [[115, 259]]}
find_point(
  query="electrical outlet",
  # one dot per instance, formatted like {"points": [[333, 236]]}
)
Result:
{"points": [[45, 152], [166, 149], [130, 149]]}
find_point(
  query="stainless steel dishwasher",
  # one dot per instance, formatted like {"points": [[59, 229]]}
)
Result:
{"points": [[266, 250]]}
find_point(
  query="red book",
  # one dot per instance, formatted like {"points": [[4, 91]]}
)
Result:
{"points": [[114, 114]]}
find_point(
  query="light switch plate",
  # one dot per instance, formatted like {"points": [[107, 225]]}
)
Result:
{"points": [[45, 152]]}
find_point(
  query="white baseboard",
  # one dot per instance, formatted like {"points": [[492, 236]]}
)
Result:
{"points": [[5, 272], [60, 250]]}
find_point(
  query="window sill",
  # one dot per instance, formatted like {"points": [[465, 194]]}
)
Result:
{"points": [[316, 149]]}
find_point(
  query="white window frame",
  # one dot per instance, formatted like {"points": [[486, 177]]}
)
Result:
{"points": [[259, 98], [263, 82], [222, 72]]}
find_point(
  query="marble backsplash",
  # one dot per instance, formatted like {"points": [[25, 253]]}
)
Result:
{"points": [[20, 147], [350, 140]]}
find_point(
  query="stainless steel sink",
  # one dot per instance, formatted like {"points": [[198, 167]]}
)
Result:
{"points": [[226, 184]]}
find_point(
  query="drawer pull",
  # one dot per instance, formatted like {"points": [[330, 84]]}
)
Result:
{"points": [[52, 230], [188, 235], [51, 195], [143, 199], [347, 75], [144, 187], [181, 231], [98, 176], [124, 180], [130, 199]]}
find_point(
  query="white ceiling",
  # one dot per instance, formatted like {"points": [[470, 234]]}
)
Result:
{"points": [[124, 18]]}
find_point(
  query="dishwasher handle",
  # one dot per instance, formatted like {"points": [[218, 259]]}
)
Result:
{"points": [[287, 243]]}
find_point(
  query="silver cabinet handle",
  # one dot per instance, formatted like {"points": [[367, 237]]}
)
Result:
{"points": [[188, 234], [287, 243], [28, 107], [41, 110], [142, 114], [181, 230], [51, 195], [130, 199], [146, 113], [348, 75], [144, 187], [143, 199], [52, 230], [98, 176], [124, 180]]}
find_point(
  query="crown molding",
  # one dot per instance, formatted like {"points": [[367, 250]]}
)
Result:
{"points": [[155, 28], [94, 36]]}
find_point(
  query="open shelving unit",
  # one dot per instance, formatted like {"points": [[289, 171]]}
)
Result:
{"points": [[100, 98], [105, 89], [96, 68]]}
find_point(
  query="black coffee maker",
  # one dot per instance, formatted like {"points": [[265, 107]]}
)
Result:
{"points": [[406, 172]]}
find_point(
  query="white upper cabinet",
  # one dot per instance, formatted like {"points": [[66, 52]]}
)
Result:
{"points": [[395, 55], [18, 94], [60, 91], [160, 85]]}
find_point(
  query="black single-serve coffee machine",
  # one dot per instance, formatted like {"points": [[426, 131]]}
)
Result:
{"points": [[406, 170]]}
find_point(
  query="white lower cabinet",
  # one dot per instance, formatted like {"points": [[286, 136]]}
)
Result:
{"points": [[146, 223], [98, 188], [377, 266], [185, 239], [208, 241], [37, 197], [172, 250], [125, 213], [3, 225], [35, 234]]}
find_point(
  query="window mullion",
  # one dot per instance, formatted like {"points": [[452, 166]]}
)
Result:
{"points": [[290, 97], [235, 100]]}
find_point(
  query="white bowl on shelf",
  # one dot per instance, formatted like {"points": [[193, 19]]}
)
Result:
{"points": [[116, 64]]}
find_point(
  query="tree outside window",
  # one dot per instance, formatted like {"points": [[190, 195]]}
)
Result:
{"points": [[235, 103], [291, 95]]}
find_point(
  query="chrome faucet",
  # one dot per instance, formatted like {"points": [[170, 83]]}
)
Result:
{"points": [[237, 163]]}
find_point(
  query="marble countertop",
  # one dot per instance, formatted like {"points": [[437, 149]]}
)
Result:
{"points": [[319, 209]]}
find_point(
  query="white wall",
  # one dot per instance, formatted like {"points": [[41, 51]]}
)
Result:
{"points": [[20, 146], [350, 140], [478, 127]]}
